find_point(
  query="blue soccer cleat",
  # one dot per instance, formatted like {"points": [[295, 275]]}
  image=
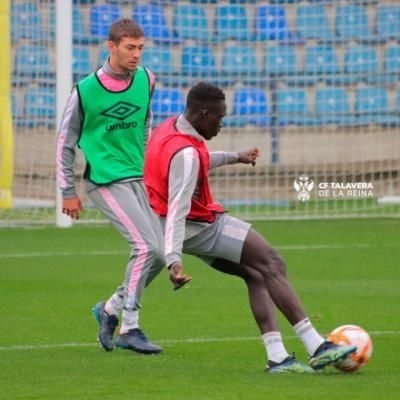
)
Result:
{"points": [[328, 353], [137, 341], [107, 323], [288, 366]]}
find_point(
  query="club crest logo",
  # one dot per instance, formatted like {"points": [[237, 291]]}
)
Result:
{"points": [[303, 186]]}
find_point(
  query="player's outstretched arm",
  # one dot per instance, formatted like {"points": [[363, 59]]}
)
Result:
{"points": [[249, 156], [176, 275]]}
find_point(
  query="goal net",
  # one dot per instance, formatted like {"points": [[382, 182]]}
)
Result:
{"points": [[314, 85]]}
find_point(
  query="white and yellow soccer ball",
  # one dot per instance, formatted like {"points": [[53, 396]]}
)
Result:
{"points": [[348, 335]]}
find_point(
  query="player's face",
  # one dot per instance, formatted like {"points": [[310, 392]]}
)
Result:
{"points": [[212, 119], [125, 56]]}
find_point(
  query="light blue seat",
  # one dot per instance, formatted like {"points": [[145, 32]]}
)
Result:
{"points": [[392, 64], [166, 103], [26, 22], [81, 64], [39, 108], [388, 22], [271, 24], [250, 107], [312, 23], [332, 106], [153, 20], [101, 17], [292, 107], [103, 55], [239, 63], [231, 23], [321, 63], [190, 22], [160, 61], [360, 63], [372, 106], [352, 23]]}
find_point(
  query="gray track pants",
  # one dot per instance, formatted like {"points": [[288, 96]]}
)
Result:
{"points": [[126, 205]]}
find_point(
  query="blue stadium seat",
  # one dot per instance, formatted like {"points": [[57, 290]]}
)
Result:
{"points": [[81, 65], [321, 63], [271, 24], [292, 107], [197, 62], [154, 22], [32, 62], [352, 23], [166, 103], [204, 1], [365, 2], [312, 23], [360, 63], [39, 108], [250, 107], [26, 22], [160, 61], [103, 55], [281, 62], [239, 63], [372, 106], [231, 23], [392, 64], [190, 22], [101, 17], [14, 107], [388, 22], [332, 106]]}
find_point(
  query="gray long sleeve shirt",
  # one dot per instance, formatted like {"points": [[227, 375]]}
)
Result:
{"points": [[70, 128], [183, 185]]}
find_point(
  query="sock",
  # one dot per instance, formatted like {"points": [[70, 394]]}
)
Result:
{"points": [[308, 335], [114, 305], [276, 351], [130, 320]]}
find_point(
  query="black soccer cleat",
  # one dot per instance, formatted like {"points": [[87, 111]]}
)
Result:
{"points": [[107, 323], [137, 341]]}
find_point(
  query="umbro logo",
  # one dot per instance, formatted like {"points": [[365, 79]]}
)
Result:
{"points": [[120, 110]]}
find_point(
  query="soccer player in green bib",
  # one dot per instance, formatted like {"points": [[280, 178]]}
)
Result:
{"points": [[108, 115]]}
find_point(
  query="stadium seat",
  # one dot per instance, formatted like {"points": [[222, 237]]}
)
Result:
{"points": [[239, 63], [312, 23], [197, 62], [81, 65], [352, 23], [32, 62], [271, 24], [160, 61], [281, 62], [190, 22], [250, 107], [392, 64], [26, 22], [292, 107], [103, 55], [321, 63], [166, 103], [231, 23], [14, 106], [360, 63], [101, 17], [154, 22], [332, 106], [372, 106], [388, 22], [365, 2], [39, 108], [204, 1]]}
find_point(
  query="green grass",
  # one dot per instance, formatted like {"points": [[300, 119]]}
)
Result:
{"points": [[51, 278]]}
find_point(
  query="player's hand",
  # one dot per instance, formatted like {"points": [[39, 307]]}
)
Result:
{"points": [[72, 207], [177, 277], [249, 156]]}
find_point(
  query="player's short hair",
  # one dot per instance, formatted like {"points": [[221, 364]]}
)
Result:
{"points": [[124, 27], [203, 93]]}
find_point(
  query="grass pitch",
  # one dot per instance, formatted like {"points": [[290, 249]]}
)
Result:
{"points": [[345, 271]]}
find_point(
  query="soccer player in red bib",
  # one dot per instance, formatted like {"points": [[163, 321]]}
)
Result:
{"points": [[176, 171]]}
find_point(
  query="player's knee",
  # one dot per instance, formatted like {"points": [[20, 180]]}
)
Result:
{"points": [[275, 265]]}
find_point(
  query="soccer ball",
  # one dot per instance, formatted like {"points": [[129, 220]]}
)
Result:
{"points": [[352, 334]]}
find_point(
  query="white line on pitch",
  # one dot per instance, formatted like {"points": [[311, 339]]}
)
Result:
{"points": [[125, 252], [164, 341]]}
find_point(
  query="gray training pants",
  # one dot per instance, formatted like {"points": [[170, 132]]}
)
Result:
{"points": [[126, 205]]}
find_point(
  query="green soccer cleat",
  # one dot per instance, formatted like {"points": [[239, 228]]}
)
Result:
{"points": [[288, 366], [328, 353]]}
